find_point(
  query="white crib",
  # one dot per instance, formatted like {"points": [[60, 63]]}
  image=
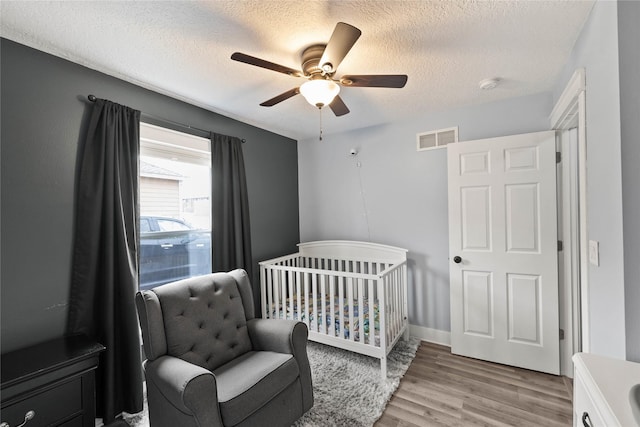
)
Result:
{"points": [[351, 295]]}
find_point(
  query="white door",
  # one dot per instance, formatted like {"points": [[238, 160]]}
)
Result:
{"points": [[503, 250]]}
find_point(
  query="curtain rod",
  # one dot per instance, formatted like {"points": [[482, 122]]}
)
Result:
{"points": [[93, 98]]}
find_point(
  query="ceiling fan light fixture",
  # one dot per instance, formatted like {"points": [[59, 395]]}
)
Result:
{"points": [[319, 92]]}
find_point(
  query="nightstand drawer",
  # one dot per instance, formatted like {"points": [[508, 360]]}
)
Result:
{"points": [[54, 379], [76, 422], [51, 406]]}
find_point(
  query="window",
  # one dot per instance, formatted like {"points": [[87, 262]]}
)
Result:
{"points": [[175, 206], [171, 225]]}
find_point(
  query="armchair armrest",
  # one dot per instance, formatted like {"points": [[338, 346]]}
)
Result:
{"points": [[279, 335], [189, 388], [285, 336]]}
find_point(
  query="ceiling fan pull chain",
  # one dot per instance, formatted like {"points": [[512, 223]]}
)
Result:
{"points": [[320, 138]]}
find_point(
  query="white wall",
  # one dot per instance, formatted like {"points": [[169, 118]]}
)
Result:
{"points": [[597, 51], [398, 196]]}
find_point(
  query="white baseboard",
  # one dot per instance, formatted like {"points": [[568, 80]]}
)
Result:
{"points": [[431, 335]]}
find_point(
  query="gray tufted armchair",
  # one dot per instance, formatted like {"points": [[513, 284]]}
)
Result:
{"points": [[211, 363]]}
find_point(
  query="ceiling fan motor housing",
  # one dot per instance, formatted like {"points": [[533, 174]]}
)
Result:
{"points": [[311, 60]]}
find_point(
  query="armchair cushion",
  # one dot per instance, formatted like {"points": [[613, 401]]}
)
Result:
{"points": [[204, 320], [250, 381]]}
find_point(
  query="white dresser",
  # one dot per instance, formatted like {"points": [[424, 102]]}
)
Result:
{"points": [[601, 391]]}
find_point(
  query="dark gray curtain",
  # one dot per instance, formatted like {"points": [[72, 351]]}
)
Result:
{"points": [[230, 208], [104, 277]]}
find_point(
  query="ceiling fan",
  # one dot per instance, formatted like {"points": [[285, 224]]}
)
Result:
{"points": [[319, 65]]}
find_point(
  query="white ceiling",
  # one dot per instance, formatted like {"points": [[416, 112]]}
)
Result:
{"points": [[183, 49]]}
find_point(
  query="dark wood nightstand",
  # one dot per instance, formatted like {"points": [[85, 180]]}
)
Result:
{"points": [[50, 384]]}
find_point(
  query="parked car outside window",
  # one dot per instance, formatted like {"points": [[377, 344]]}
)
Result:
{"points": [[170, 250]]}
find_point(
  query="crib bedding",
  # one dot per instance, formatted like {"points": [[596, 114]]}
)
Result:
{"points": [[332, 316]]}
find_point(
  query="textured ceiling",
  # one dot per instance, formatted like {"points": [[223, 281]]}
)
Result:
{"points": [[183, 49]]}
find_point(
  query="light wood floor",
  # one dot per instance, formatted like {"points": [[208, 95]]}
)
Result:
{"points": [[441, 389]]}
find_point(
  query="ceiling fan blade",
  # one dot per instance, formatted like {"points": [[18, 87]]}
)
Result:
{"points": [[252, 60], [283, 96], [380, 80], [342, 40], [338, 106]]}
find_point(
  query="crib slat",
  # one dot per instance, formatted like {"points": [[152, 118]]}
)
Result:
{"points": [[314, 289], [398, 305], [350, 302], [372, 314], [328, 309], [394, 278], [290, 296], [360, 311], [388, 302], [263, 292], [280, 294], [283, 294], [264, 280], [400, 299], [323, 294], [383, 312], [394, 304], [391, 304], [270, 293], [299, 301], [276, 294], [403, 298], [306, 311], [341, 303]]}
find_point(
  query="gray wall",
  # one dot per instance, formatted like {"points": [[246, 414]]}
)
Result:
{"points": [[43, 107], [597, 51], [629, 53], [398, 196]]}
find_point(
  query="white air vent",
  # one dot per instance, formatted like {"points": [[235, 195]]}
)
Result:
{"points": [[437, 138]]}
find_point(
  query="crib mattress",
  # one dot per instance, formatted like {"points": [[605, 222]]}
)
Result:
{"points": [[332, 317]]}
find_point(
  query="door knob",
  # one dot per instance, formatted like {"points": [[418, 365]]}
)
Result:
{"points": [[457, 259]]}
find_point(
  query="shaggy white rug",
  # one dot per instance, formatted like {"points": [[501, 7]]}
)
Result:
{"points": [[347, 388]]}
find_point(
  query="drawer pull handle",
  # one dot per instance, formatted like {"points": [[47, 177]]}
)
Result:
{"points": [[27, 417], [586, 421]]}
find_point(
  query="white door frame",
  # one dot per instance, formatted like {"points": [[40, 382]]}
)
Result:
{"points": [[568, 113]]}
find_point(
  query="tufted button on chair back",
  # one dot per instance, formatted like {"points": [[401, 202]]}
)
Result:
{"points": [[204, 320]]}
